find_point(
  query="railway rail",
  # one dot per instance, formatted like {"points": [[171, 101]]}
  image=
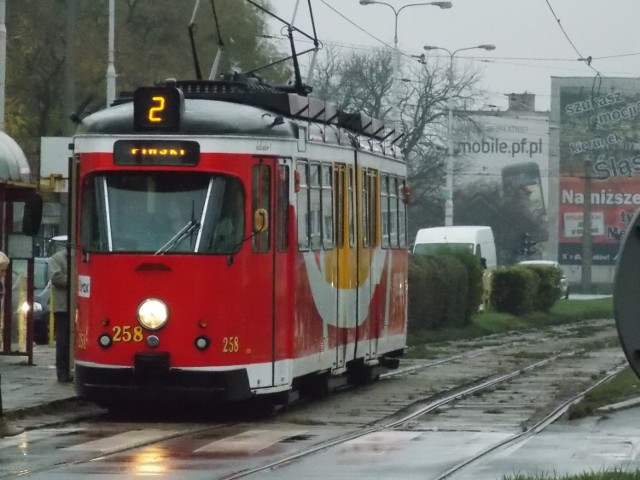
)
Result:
{"points": [[517, 383]]}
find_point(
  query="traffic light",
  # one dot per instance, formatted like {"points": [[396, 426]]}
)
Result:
{"points": [[527, 244]]}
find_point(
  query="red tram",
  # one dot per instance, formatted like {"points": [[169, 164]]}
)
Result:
{"points": [[231, 241]]}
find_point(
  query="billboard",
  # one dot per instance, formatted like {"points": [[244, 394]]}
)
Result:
{"points": [[599, 159], [509, 148]]}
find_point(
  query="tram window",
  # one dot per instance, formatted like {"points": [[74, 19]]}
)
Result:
{"points": [[402, 214], [384, 205], [93, 232], [315, 212], [227, 208], [330, 135], [369, 208], [373, 207], [282, 218], [393, 211], [149, 212], [338, 196], [327, 207], [315, 133], [261, 198], [365, 209], [351, 206], [302, 204]]}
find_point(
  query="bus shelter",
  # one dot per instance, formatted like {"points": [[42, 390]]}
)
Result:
{"points": [[18, 225]]}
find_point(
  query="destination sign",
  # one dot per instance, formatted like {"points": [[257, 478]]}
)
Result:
{"points": [[156, 152]]}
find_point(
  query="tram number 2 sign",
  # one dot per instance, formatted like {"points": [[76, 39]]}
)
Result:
{"points": [[157, 109]]}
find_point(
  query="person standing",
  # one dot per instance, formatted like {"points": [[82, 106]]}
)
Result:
{"points": [[59, 285], [6, 430]]}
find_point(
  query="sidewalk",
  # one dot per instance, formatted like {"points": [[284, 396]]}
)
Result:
{"points": [[27, 387]]}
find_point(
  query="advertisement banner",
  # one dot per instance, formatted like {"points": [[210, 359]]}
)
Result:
{"points": [[512, 150], [599, 146]]}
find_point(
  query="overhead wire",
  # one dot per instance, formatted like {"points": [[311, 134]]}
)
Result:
{"points": [[355, 24], [586, 60], [495, 60]]}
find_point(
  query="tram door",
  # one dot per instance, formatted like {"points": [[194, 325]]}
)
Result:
{"points": [[262, 259], [343, 214], [367, 331]]}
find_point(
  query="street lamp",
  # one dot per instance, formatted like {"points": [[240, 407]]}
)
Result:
{"points": [[111, 69], [448, 205], [396, 51]]}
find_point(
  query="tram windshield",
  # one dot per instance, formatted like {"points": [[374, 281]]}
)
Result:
{"points": [[162, 213]]}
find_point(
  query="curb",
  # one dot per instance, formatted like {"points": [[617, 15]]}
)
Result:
{"points": [[634, 402], [42, 409]]}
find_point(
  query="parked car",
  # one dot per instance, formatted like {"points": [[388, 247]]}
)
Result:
{"points": [[564, 283]]}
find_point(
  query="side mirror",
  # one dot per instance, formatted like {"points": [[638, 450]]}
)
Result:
{"points": [[260, 220], [32, 217]]}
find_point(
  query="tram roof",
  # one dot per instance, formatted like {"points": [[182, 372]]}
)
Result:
{"points": [[241, 106], [200, 117]]}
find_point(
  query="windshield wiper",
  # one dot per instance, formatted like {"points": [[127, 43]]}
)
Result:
{"points": [[185, 232]]}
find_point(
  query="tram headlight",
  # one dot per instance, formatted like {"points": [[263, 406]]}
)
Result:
{"points": [[153, 314]]}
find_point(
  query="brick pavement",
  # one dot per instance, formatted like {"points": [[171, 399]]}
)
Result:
{"points": [[26, 387]]}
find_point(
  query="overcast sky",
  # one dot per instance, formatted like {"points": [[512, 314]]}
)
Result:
{"points": [[530, 45]]}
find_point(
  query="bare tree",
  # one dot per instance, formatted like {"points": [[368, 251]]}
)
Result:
{"points": [[363, 81], [326, 75], [356, 82]]}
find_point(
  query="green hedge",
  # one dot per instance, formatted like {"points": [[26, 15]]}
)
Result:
{"points": [[512, 290], [445, 289], [522, 289], [548, 287]]}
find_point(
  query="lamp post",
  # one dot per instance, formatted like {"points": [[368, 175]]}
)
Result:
{"points": [[111, 69], [448, 205], [396, 51]]}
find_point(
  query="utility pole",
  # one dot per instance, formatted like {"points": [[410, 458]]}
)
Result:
{"points": [[111, 69], [69, 65], [3, 60], [586, 230], [448, 204]]}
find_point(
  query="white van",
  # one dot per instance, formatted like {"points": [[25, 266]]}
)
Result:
{"points": [[477, 239]]}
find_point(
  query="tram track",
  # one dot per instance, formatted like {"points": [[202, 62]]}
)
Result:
{"points": [[534, 430], [431, 405], [453, 391]]}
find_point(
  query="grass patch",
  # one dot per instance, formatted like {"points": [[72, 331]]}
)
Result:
{"points": [[583, 309], [494, 322], [441, 335], [422, 350], [487, 323], [605, 475], [624, 386]]}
